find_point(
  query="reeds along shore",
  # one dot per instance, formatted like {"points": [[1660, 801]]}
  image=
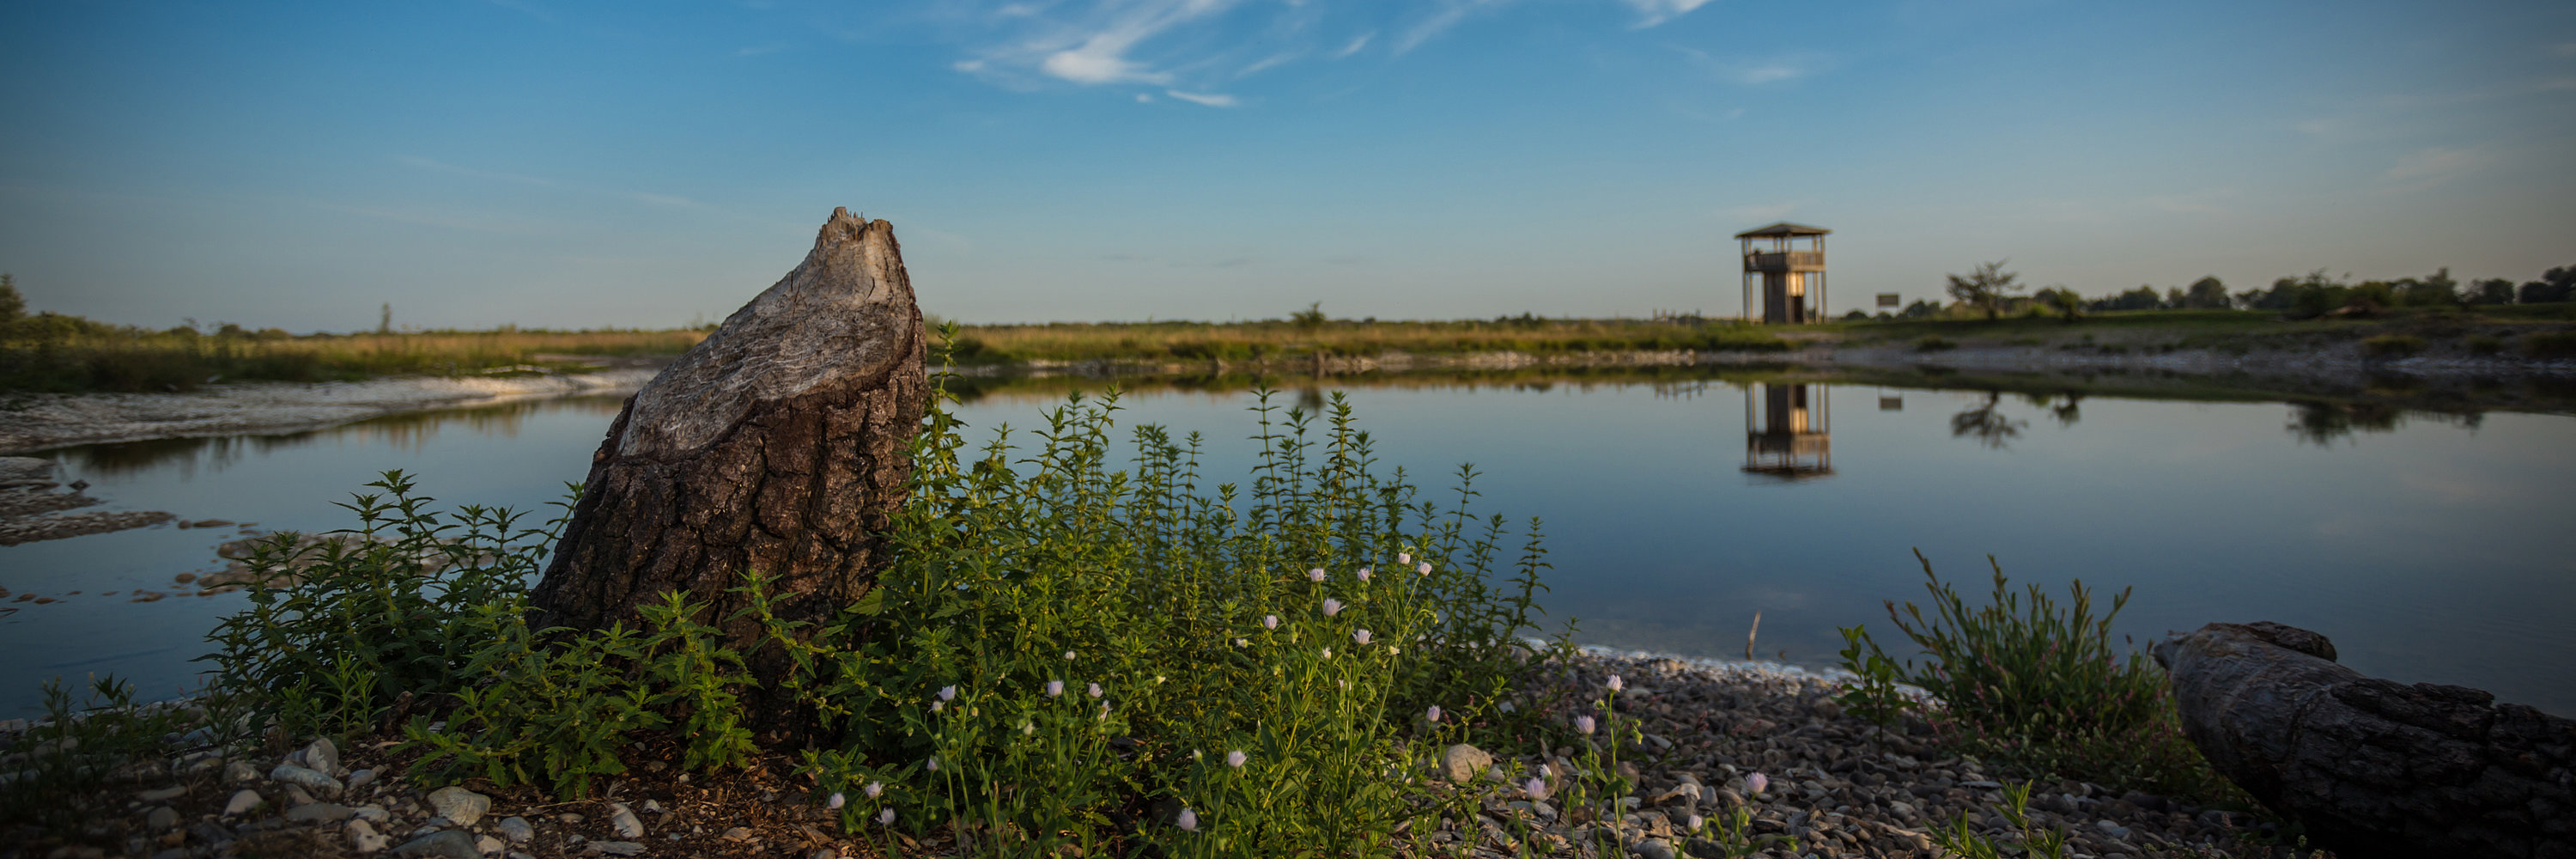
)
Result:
{"points": [[103, 359]]}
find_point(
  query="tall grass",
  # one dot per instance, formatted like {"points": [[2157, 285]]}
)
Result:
{"points": [[77, 358], [1276, 340]]}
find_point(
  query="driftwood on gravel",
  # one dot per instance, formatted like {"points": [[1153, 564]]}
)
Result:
{"points": [[2373, 767], [776, 445]]}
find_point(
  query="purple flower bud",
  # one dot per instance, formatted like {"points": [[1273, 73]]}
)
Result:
{"points": [[1095, 690], [1055, 688], [1694, 823], [1583, 724], [1361, 636], [1189, 821], [1315, 575], [1757, 782], [948, 693], [1403, 558], [1068, 656], [1432, 714], [934, 764], [1614, 683], [875, 789], [1234, 759], [1423, 568], [1364, 574], [1537, 788], [1269, 621], [936, 706], [1332, 606], [886, 817], [837, 800]]}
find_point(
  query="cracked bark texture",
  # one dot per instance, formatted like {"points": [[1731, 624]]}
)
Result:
{"points": [[2373, 767], [777, 445]]}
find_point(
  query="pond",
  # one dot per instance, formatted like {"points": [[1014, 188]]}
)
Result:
{"points": [[2429, 547]]}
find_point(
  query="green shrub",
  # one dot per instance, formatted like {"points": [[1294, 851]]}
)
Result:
{"points": [[2392, 346], [1933, 343], [2553, 344], [2484, 345], [2038, 686]]}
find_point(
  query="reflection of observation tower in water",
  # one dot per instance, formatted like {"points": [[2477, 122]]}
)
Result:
{"points": [[1788, 432]]}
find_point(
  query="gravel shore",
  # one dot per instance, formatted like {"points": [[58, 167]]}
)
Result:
{"points": [[1827, 781], [55, 420]]}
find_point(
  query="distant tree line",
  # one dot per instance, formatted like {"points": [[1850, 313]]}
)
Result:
{"points": [[1989, 290]]}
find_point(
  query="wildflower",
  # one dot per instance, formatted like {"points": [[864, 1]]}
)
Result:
{"points": [[1584, 724], [1505, 706], [1432, 714], [886, 817], [1614, 683], [1423, 568], [1364, 574], [1695, 822], [1269, 621], [1243, 642], [948, 693], [1028, 728], [1758, 782], [1068, 656], [1094, 690], [1234, 759], [1392, 650], [934, 764], [1403, 558], [1361, 636], [1537, 788], [1055, 688], [875, 789], [1328, 653], [1189, 821], [936, 705], [837, 800], [1545, 770], [1332, 606], [1315, 575]]}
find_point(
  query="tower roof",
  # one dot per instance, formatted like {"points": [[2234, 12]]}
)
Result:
{"points": [[1783, 228]]}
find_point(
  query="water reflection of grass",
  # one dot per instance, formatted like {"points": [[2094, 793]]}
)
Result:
{"points": [[407, 431]]}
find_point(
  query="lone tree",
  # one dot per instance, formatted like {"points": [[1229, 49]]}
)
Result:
{"points": [[1986, 288], [776, 446]]}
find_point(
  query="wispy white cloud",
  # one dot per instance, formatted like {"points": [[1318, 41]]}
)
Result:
{"points": [[1653, 12], [1451, 12], [1098, 50], [2435, 163], [1269, 62], [1208, 99], [1758, 72], [1355, 45]]}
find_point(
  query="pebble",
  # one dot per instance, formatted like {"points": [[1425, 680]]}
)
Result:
{"points": [[373, 813], [516, 829], [361, 778], [1654, 848], [242, 802], [236, 772], [459, 805], [305, 777], [363, 837], [164, 794], [322, 756], [443, 844], [738, 834], [162, 817], [489, 846], [624, 821], [1462, 762], [615, 848]]}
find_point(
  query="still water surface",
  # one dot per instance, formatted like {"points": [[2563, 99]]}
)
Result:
{"points": [[2430, 549]]}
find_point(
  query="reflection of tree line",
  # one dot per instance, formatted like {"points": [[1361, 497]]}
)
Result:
{"points": [[408, 431], [2313, 422]]}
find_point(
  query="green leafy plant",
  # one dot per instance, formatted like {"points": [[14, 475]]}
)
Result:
{"points": [[2036, 842], [1873, 693]]}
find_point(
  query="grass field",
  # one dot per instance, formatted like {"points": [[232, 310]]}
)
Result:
{"points": [[126, 360], [1269, 340]]}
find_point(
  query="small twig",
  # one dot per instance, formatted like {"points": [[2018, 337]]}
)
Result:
{"points": [[1749, 634]]}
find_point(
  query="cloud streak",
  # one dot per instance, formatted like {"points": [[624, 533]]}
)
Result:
{"points": [[1655, 12], [1208, 99]]}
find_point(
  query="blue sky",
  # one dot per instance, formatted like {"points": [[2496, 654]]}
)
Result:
{"points": [[642, 164]]}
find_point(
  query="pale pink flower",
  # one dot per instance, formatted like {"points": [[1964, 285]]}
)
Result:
{"points": [[1269, 621], [875, 789], [886, 817], [1423, 568], [1189, 821], [1583, 724], [1537, 788], [1332, 606], [837, 800], [1315, 575], [1364, 574], [1068, 656], [948, 693], [1095, 690], [1055, 688], [1328, 653], [1234, 759], [934, 764], [1403, 558], [936, 706], [1758, 782], [1361, 636], [1614, 684], [1432, 714], [1694, 823]]}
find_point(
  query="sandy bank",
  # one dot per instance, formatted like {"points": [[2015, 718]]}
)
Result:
{"points": [[49, 421]]}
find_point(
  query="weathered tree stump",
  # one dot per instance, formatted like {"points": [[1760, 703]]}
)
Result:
{"points": [[2372, 767], [776, 445]]}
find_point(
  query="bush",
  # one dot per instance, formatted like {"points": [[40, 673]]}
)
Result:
{"points": [[2554, 344], [2037, 686], [1933, 343]]}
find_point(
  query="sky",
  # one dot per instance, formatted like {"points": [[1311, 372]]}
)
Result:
{"points": [[475, 163]]}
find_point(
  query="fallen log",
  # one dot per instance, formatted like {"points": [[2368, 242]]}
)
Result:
{"points": [[2373, 767], [776, 445]]}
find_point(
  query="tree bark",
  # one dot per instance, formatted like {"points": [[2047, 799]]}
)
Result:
{"points": [[777, 445], [2373, 768]]}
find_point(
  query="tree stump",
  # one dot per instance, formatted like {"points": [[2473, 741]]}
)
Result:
{"points": [[776, 445], [2372, 767]]}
